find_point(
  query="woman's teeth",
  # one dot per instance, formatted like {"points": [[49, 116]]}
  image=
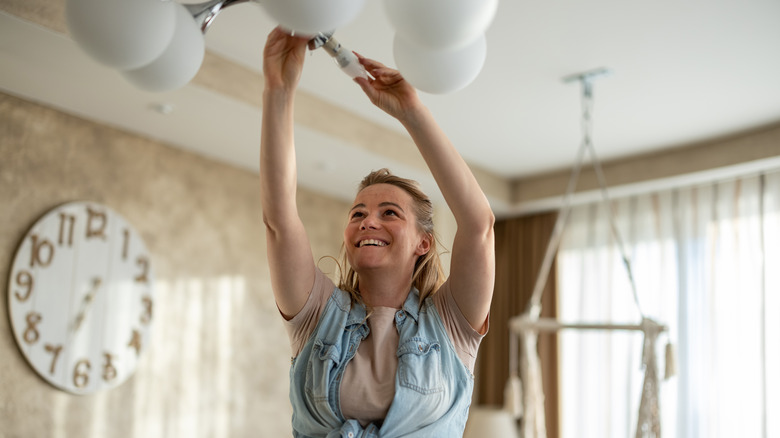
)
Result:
{"points": [[371, 242]]}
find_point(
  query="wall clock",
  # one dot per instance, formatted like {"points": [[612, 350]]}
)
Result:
{"points": [[80, 297]]}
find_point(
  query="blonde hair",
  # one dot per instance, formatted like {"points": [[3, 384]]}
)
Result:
{"points": [[428, 272]]}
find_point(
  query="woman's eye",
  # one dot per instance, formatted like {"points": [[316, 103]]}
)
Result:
{"points": [[391, 213], [357, 214]]}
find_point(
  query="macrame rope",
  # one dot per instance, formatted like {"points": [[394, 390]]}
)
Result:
{"points": [[534, 305]]}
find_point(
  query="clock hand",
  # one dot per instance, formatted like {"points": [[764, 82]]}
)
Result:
{"points": [[85, 303]]}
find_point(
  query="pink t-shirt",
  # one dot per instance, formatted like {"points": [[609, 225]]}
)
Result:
{"points": [[368, 386]]}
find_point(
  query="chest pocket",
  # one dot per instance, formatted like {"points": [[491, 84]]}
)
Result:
{"points": [[419, 366], [324, 360]]}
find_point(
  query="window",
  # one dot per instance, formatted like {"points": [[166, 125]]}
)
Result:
{"points": [[706, 262]]}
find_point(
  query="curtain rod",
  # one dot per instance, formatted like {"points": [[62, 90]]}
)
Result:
{"points": [[735, 171], [521, 324]]}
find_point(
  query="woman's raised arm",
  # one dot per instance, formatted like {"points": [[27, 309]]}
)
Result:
{"points": [[472, 270], [289, 252]]}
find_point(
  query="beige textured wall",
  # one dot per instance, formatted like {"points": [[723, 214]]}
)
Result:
{"points": [[219, 358]]}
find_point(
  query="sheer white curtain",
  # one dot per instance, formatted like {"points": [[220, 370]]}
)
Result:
{"points": [[706, 262]]}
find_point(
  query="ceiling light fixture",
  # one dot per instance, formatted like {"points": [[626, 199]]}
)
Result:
{"points": [[159, 45]]}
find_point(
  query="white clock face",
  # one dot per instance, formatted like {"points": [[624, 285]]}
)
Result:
{"points": [[80, 297]]}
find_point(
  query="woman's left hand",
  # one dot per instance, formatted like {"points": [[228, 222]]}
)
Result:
{"points": [[388, 90], [472, 266], [283, 58]]}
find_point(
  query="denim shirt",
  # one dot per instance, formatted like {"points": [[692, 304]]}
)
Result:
{"points": [[432, 385]]}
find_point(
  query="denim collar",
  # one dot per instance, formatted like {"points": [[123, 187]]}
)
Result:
{"points": [[412, 303], [358, 313]]}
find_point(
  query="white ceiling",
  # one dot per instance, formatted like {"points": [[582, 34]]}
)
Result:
{"points": [[683, 72]]}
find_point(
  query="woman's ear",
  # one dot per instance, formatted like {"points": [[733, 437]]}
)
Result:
{"points": [[424, 246]]}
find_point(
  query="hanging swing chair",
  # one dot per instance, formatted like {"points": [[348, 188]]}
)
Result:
{"points": [[524, 395]]}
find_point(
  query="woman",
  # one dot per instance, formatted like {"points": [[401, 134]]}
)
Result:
{"points": [[390, 352]]}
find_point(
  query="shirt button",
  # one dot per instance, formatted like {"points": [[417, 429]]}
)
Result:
{"points": [[351, 435], [420, 347]]}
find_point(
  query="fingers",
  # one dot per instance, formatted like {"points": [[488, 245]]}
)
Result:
{"points": [[364, 84], [277, 32], [380, 72], [280, 44], [368, 62], [274, 42], [368, 88], [283, 59], [280, 37], [276, 36], [373, 67], [280, 32]]}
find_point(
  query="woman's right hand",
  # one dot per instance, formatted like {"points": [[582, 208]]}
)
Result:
{"points": [[283, 58]]}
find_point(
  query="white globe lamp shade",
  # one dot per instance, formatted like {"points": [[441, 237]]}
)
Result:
{"points": [[441, 24], [180, 61], [123, 34], [311, 16], [439, 71]]}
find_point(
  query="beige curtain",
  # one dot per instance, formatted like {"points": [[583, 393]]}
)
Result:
{"points": [[705, 260], [520, 247]]}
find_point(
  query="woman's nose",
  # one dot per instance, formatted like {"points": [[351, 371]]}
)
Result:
{"points": [[369, 223]]}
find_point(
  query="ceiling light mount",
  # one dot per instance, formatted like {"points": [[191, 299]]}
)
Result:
{"points": [[587, 77], [205, 13]]}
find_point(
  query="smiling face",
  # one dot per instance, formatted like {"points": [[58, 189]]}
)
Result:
{"points": [[382, 231]]}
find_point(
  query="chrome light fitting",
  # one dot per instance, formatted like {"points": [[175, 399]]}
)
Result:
{"points": [[205, 13]]}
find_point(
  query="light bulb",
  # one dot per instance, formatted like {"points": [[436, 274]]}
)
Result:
{"points": [[345, 59]]}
